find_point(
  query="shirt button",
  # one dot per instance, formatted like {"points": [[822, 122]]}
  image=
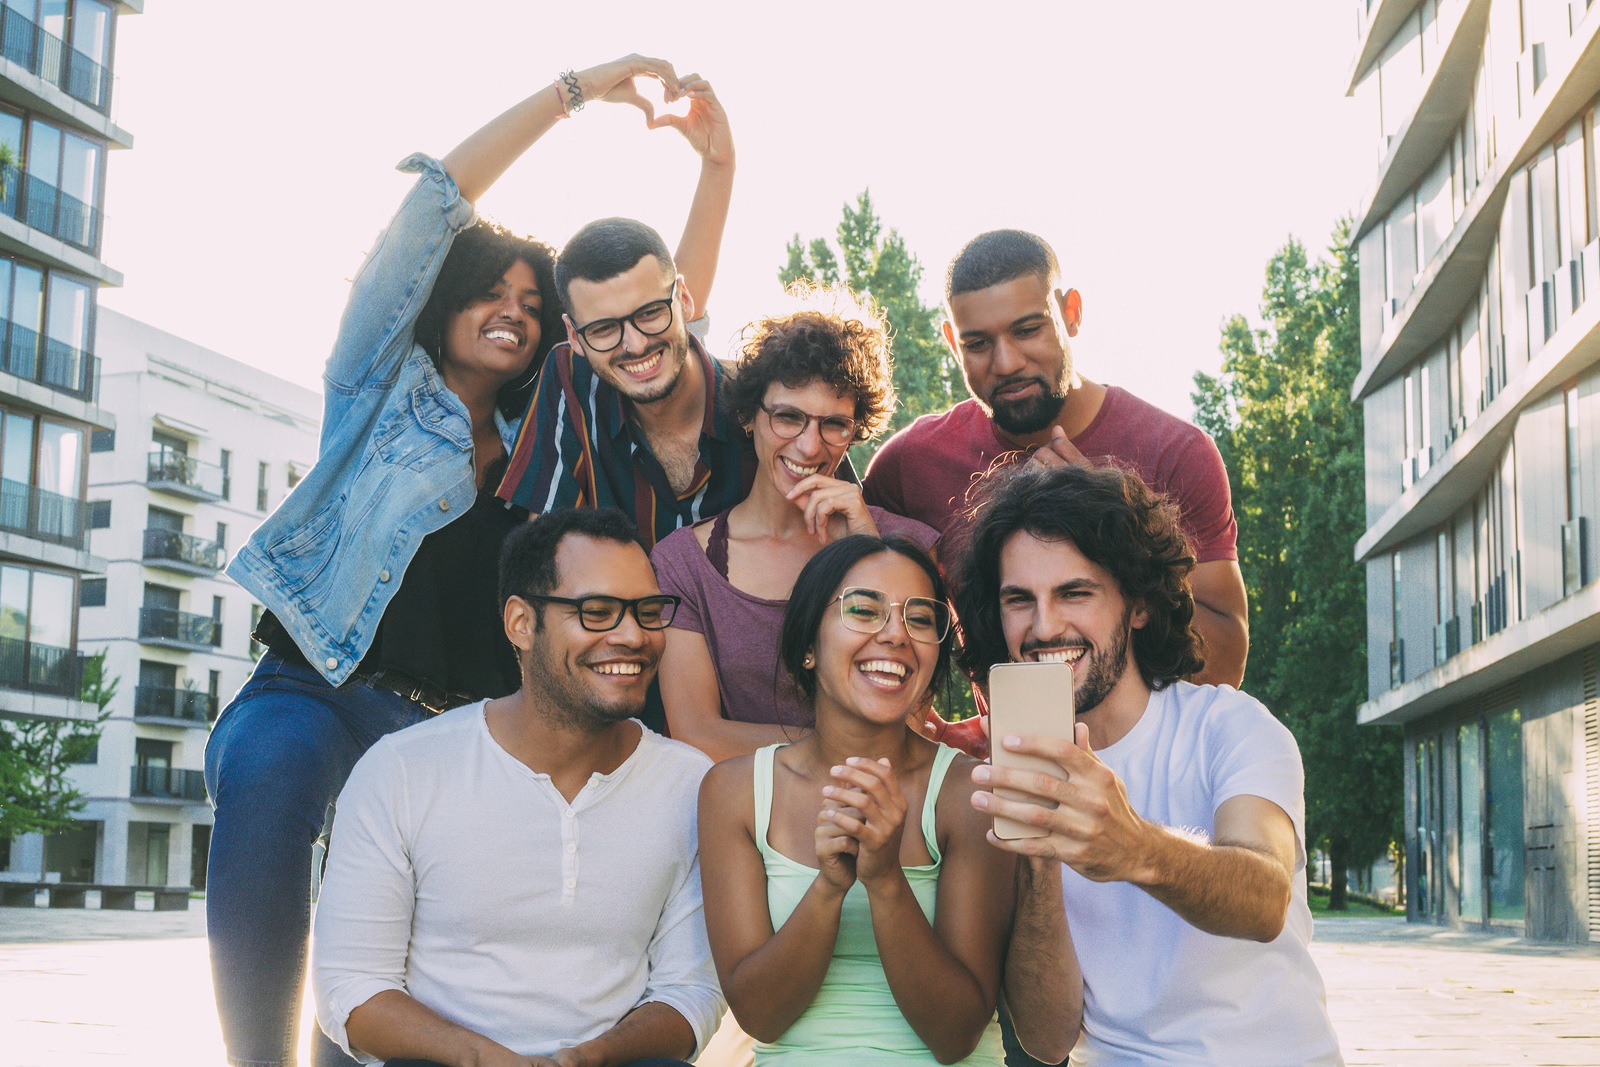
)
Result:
{"points": [[383, 576], [444, 505], [572, 883], [570, 814], [571, 848], [436, 418], [332, 663]]}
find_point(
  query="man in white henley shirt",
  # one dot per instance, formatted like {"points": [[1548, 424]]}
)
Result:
{"points": [[517, 881], [1174, 854]]}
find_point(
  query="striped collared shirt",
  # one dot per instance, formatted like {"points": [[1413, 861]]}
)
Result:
{"points": [[578, 448]]}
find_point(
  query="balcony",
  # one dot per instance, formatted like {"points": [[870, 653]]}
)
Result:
{"points": [[37, 668], [39, 513], [36, 203], [172, 706], [151, 782], [183, 475], [26, 44], [170, 628], [180, 552], [61, 367]]}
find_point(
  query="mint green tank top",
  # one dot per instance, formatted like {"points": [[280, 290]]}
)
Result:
{"points": [[854, 1018]]}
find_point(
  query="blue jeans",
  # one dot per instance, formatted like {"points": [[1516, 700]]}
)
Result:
{"points": [[279, 755]]}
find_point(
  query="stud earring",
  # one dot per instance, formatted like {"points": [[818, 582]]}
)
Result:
{"points": [[809, 662]]}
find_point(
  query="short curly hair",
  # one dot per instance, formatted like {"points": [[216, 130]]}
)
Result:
{"points": [[1119, 524], [829, 336], [479, 257]]}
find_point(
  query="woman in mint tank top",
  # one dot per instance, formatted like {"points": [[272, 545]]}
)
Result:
{"points": [[856, 912]]}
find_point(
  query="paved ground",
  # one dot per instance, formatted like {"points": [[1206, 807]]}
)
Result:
{"points": [[125, 990]]}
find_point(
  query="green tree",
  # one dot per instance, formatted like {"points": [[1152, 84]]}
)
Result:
{"points": [[1292, 441], [36, 756], [877, 263]]}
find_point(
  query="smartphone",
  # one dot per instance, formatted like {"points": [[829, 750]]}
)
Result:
{"points": [[1027, 699]]}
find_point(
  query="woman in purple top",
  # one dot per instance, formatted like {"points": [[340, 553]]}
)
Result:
{"points": [[810, 384]]}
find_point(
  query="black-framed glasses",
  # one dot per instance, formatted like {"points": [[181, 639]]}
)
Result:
{"points": [[600, 614], [790, 422], [602, 335], [867, 611]]}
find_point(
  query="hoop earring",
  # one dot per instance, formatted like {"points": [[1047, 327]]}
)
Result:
{"points": [[533, 376]]}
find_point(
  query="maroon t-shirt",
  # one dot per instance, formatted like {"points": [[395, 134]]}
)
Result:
{"points": [[927, 469]]}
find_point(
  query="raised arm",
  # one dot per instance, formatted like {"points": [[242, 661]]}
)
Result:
{"points": [[1222, 618], [1236, 885], [478, 162], [706, 129]]}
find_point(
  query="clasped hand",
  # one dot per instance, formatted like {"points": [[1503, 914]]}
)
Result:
{"points": [[859, 826]]}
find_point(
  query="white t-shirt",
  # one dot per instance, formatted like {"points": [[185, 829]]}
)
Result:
{"points": [[1155, 988], [458, 875]]}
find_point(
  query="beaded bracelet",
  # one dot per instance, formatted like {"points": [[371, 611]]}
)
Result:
{"points": [[572, 101]]}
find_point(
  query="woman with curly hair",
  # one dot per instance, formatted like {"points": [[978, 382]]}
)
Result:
{"points": [[810, 384], [378, 572]]}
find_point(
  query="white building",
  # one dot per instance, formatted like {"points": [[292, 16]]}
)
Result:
{"points": [[57, 125], [1479, 245], [204, 448]]}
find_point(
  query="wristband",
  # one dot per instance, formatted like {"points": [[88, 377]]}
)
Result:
{"points": [[572, 99]]}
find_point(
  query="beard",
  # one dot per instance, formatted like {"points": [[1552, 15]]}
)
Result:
{"points": [[674, 354], [1029, 415], [1106, 666], [571, 701]]}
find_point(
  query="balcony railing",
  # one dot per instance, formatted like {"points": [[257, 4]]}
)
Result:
{"points": [[40, 668], [61, 367], [35, 512], [167, 783], [170, 702], [182, 474], [35, 202], [193, 555], [26, 43], [166, 625]]}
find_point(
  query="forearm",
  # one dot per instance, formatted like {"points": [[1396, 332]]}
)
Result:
{"points": [[649, 1030], [1043, 987], [1227, 644], [723, 739], [1222, 889], [392, 1024], [940, 998], [478, 162], [701, 244], [773, 985]]}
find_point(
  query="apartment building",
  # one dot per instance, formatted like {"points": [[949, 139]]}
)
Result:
{"points": [[57, 124], [1479, 247], [204, 448]]}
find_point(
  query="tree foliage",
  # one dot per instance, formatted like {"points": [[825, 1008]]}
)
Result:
{"points": [[875, 262], [1292, 441], [36, 756]]}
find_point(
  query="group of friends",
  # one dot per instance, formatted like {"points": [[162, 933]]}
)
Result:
{"points": [[629, 688]]}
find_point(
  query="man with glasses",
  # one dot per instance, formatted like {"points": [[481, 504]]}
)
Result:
{"points": [[626, 412], [518, 880]]}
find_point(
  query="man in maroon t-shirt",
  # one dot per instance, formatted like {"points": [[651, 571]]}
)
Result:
{"points": [[1009, 324]]}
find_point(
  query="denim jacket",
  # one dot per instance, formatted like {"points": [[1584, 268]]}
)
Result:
{"points": [[395, 460]]}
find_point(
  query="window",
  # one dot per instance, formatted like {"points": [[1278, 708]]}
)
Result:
{"points": [[103, 441], [99, 514], [1574, 486], [293, 475], [256, 647], [162, 519], [222, 536], [225, 461], [38, 616], [92, 593], [261, 487]]}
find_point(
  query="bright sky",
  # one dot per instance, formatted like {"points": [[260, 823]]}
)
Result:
{"points": [[1166, 149]]}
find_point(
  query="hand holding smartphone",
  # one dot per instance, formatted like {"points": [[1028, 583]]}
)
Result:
{"points": [[1028, 699]]}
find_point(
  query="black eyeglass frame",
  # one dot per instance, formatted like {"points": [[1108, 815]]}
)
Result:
{"points": [[855, 625], [623, 606], [820, 420], [632, 318]]}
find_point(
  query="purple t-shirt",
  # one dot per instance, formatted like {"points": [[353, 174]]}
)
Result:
{"points": [[742, 630]]}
